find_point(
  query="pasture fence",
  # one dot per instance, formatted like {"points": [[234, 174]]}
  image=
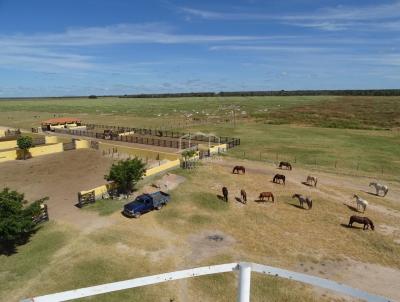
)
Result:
{"points": [[154, 137], [353, 167], [244, 270]]}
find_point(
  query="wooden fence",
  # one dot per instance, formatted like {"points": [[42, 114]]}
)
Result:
{"points": [[160, 138]]}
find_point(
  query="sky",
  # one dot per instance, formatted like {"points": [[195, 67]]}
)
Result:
{"points": [[103, 47]]}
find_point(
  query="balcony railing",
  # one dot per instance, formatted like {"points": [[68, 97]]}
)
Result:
{"points": [[244, 268]]}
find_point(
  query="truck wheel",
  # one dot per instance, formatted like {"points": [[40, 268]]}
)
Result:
{"points": [[136, 215], [158, 208]]}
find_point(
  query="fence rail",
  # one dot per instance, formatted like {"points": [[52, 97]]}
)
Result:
{"points": [[244, 268], [160, 138]]}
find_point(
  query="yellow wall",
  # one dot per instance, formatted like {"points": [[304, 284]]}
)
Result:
{"points": [[142, 153], [163, 167], [2, 132], [99, 191], [8, 145], [50, 139], [82, 144], [46, 149], [8, 155]]}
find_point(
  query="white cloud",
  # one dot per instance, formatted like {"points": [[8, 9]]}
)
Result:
{"points": [[380, 16]]}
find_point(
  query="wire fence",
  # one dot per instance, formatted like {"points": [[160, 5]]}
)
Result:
{"points": [[353, 167]]}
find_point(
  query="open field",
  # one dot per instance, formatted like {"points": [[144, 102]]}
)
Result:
{"points": [[66, 254], [98, 245]]}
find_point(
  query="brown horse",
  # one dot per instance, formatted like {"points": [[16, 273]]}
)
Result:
{"points": [[362, 220], [225, 193], [278, 177], [244, 195], [238, 169], [266, 195], [285, 164], [302, 199]]}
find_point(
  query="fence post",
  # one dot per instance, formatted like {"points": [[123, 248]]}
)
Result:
{"points": [[244, 282]]}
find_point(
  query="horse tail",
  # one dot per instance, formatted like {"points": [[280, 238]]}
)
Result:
{"points": [[272, 196], [233, 171], [310, 204], [315, 183], [244, 170], [386, 191]]}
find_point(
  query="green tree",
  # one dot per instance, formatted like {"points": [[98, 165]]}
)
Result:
{"points": [[126, 174], [188, 154], [15, 218], [25, 143]]}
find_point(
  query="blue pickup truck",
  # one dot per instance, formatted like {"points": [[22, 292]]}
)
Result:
{"points": [[146, 203]]}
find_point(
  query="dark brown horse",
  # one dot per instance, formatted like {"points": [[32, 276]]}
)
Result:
{"points": [[285, 164], [278, 177], [238, 169], [302, 199], [225, 193], [362, 220], [244, 195], [267, 195]]}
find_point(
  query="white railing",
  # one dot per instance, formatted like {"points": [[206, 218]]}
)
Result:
{"points": [[244, 268]]}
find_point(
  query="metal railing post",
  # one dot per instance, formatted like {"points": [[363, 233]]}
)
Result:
{"points": [[244, 282]]}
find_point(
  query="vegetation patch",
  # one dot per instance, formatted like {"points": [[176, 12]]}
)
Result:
{"points": [[105, 207]]}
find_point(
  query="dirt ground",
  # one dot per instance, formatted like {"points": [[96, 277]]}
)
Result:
{"points": [[59, 176]]}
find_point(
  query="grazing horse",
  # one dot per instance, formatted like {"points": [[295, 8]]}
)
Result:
{"points": [[266, 195], [303, 200], [278, 177], [237, 169], [363, 220], [312, 180], [379, 187], [225, 193], [360, 202], [244, 195], [285, 164]]}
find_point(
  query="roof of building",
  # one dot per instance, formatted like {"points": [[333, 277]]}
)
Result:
{"points": [[61, 120]]}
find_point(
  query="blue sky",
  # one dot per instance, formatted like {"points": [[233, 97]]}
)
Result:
{"points": [[82, 47]]}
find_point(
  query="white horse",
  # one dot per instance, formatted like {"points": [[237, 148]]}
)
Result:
{"points": [[379, 187], [312, 180], [360, 202]]}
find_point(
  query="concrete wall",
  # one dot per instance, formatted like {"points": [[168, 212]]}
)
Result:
{"points": [[142, 153], [8, 145], [35, 151], [126, 133], [2, 132], [50, 139], [8, 155], [163, 167], [82, 144], [46, 149], [100, 190]]}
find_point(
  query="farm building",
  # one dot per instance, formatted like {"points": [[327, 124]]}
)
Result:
{"points": [[62, 122]]}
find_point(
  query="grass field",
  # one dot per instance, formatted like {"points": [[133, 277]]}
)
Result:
{"points": [[61, 257], [316, 134], [314, 131]]}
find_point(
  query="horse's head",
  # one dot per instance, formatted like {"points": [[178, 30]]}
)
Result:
{"points": [[295, 195], [372, 184], [355, 196], [371, 224]]}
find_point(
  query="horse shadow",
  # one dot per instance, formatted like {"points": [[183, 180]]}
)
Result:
{"points": [[238, 199], [262, 201], [370, 193], [352, 208], [220, 197], [307, 184], [345, 225], [296, 206]]}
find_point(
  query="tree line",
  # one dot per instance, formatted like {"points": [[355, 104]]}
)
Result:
{"points": [[348, 92]]}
